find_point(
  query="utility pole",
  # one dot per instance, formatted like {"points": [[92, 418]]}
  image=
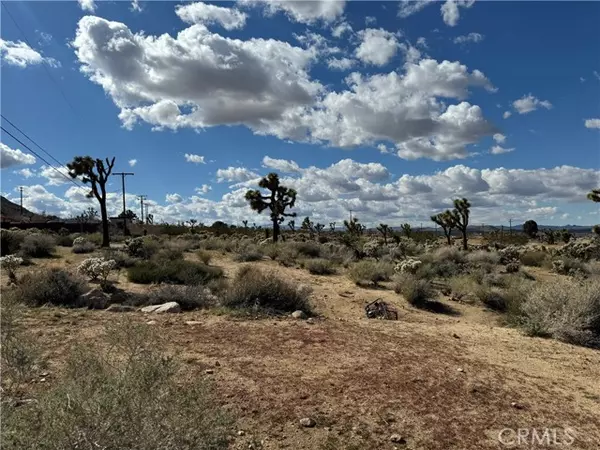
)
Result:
{"points": [[350, 215], [510, 226], [21, 190], [123, 175], [142, 198], [146, 205]]}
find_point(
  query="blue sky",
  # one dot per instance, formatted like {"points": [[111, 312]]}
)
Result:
{"points": [[390, 109]]}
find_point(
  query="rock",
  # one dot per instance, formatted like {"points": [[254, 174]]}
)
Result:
{"points": [[299, 315], [240, 433], [516, 405], [455, 336], [310, 320], [217, 363], [460, 369], [169, 307], [397, 439], [94, 299], [209, 371], [115, 307], [307, 422], [151, 322], [193, 322]]}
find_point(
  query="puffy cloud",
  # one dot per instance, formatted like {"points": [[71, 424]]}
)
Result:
{"points": [[450, 11], [592, 123], [301, 11], [471, 37], [219, 80], [14, 157], [499, 138], [506, 114], [281, 165], [196, 159], [498, 150], [370, 20], [203, 13], [340, 29], [408, 8], [422, 42], [135, 6], [87, 5], [204, 189], [377, 47], [22, 55], [238, 174], [529, 103], [132, 162], [173, 198], [55, 176], [340, 63], [26, 173]]}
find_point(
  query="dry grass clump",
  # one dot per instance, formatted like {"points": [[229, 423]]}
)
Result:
{"points": [[177, 271], [50, 286], [568, 310], [320, 266], [418, 292], [533, 258], [38, 246], [253, 288], [248, 253], [127, 395], [370, 273], [482, 257]]}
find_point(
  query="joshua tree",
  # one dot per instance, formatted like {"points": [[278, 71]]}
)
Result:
{"points": [[594, 196], [447, 222], [461, 214], [550, 236], [96, 173], [307, 225], [245, 223], [406, 229], [351, 238], [332, 226], [530, 228], [192, 223], [278, 199], [292, 225], [354, 227], [318, 228], [384, 230]]}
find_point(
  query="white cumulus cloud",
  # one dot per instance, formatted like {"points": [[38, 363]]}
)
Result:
{"points": [[450, 10], [87, 5], [529, 103], [471, 37], [197, 159], [10, 157], [592, 123], [203, 13], [307, 12], [22, 55], [132, 162], [377, 47]]}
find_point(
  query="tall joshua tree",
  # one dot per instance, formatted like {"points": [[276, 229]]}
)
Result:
{"points": [[278, 199], [447, 222], [94, 172], [384, 230], [594, 196], [461, 214]]}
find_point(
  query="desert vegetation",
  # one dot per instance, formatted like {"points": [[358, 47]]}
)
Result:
{"points": [[536, 288]]}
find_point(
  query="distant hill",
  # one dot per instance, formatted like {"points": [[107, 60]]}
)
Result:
{"points": [[11, 212]]}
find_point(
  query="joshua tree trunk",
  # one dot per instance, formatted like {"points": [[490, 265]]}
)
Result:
{"points": [[465, 246], [104, 216], [275, 230]]}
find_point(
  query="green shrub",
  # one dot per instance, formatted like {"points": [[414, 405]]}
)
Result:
{"points": [[308, 249], [188, 297], [83, 246], [569, 266], [142, 247], [252, 288], [167, 254], [533, 258], [64, 240], [125, 395], [365, 273], [248, 253], [50, 286], [175, 272], [491, 297], [11, 241], [320, 266], [38, 245], [204, 256], [482, 258], [96, 238], [565, 309], [121, 259], [416, 291], [271, 250]]}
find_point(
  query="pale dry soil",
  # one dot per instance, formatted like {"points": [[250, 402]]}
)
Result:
{"points": [[441, 381]]}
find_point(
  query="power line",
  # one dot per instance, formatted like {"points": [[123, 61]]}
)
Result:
{"points": [[36, 154], [31, 140]]}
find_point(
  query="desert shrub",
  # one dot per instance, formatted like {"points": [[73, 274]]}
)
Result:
{"points": [[20, 355], [308, 249], [513, 267], [188, 297], [448, 253], [416, 291], [11, 241], [365, 273], [481, 257], [121, 259], [409, 265], [491, 297], [167, 254], [10, 263], [248, 253], [213, 244], [569, 266], [287, 256], [319, 266], [50, 286], [141, 247], [463, 287], [253, 288], [64, 240], [565, 309], [38, 246], [175, 272], [533, 258], [96, 238], [271, 250], [82, 245], [128, 395], [204, 256], [96, 268]]}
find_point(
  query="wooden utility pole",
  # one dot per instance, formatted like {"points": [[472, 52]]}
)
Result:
{"points": [[142, 198], [510, 226], [123, 175], [21, 190]]}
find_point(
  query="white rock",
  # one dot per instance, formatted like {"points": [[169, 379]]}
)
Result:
{"points": [[307, 422], [115, 307], [169, 307], [94, 299], [299, 315]]}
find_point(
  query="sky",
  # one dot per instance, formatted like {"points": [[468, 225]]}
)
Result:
{"points": [[383, 110]]}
